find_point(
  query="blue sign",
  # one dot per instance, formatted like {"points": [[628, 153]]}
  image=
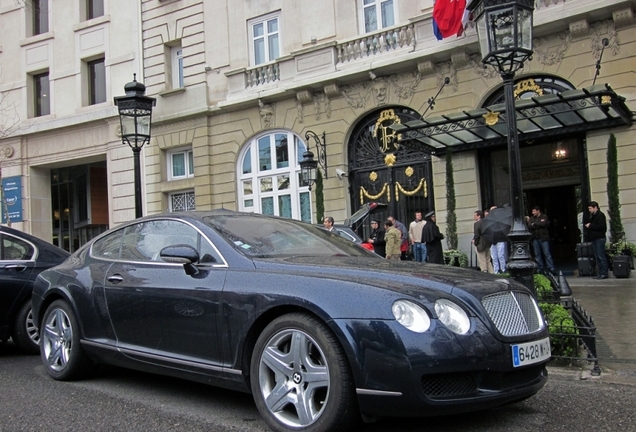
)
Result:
{"points": [[12, 199]]}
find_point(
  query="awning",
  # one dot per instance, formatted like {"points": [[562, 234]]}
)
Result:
{"points": [[571, 111]]}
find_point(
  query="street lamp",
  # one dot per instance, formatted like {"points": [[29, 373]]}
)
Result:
{"points": [[135, 116], [309, 165], [504, 29]]}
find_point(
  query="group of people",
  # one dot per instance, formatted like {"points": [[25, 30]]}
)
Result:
{"points": [[492, 257], [393, 240]]}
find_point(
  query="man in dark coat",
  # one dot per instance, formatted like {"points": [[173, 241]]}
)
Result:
{"points": [[433, 238], [538, 225], [596, 229], [377, 238]]}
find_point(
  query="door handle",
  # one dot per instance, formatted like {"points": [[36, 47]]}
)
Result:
{"points": [[115, 279], [16, 267]]}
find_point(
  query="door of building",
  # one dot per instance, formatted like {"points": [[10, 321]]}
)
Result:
{"points": [[381, 169]]}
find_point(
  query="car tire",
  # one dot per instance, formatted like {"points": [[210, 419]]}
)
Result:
{"points": [[25, 334], [60, 346], [300, 377]]}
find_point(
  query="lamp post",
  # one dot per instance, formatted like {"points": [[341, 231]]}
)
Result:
{"points": [[135, 116], [504, 29], [309, 165]]}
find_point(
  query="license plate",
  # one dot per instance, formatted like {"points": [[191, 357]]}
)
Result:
{"points": [[531, 352]]}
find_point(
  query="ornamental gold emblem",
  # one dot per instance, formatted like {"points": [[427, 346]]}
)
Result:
{"points": [[491, 118], [388, 138], [526, 86], [409, 171], [390, 159], [373, 176]]}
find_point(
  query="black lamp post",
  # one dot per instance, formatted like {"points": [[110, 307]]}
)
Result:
{"points": [[135, 116], [309, 165], [504, 29]]}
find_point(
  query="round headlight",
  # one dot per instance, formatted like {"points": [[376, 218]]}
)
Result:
{"points": [[452, 316], [411, 316]]}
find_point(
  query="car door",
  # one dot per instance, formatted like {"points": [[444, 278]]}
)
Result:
{"points": [[155, 307], [17, 262]]}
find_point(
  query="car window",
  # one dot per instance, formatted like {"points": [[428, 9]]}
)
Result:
{"points": [[13, 248], [256, 236], [109, 246], [144, 241]]}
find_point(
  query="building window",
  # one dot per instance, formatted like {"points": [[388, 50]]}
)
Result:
{"points": [[182, 201], [94, 9], [180, 164], [41, 94], [96, 81], [176, 60], [265, 37], [40, 11], [377, 14], [269, 179]]}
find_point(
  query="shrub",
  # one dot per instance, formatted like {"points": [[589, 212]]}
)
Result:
{"points": [[451, 255], [543, 287], [562, 329]]}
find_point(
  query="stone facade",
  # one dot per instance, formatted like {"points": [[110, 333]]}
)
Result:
{"points": [[329, 75]]}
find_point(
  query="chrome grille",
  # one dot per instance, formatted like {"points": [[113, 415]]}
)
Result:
{"points": [[513, 313]]}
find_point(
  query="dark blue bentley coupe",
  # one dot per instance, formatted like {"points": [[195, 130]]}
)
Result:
{"points": [[322, 332]]}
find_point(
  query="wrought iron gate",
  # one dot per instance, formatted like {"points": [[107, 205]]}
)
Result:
{"points": [[382, 170]]}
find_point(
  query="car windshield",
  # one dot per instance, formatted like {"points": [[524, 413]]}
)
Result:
{"points": [[257, 236]]}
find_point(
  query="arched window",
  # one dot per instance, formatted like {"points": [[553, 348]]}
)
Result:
{"points": [[269, 180]]}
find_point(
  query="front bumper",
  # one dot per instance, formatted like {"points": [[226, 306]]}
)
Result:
{"points": [[401, 373]]}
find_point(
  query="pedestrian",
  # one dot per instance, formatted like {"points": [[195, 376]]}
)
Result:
{"points": [[377, 238], [482, 246], [433, 238], [596, 229], [328, 224], [415, 237], [498, 254], [538, 225], [392, 237], [404, 245]]}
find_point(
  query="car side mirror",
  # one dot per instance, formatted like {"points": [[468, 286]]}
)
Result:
{"points": [[181, 254]]}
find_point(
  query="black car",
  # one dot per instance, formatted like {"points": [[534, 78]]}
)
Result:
{"points": [[320, 331], [22, 258]]}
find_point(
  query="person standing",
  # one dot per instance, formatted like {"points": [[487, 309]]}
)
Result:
{"points": [[433, 238], [392, 237], [415, 236], [404, 245], [498, 254], [377, 238], [538, 225], [482, 246], [596, 229], [328, 224]]}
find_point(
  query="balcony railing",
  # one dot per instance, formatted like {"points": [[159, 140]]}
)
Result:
{"points": [[376, 43], [262, 74]]}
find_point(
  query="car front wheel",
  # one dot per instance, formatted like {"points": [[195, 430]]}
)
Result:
{"points": [[25, 333], [60, 347], [300, 377]]}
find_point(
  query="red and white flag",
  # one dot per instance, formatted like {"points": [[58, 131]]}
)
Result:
{"points": [[449, 16]]}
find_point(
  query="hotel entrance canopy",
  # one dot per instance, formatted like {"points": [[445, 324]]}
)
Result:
{"points": [[569, 112]]}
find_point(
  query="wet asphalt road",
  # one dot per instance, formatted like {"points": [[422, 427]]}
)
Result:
{"points": [[120, 400]]}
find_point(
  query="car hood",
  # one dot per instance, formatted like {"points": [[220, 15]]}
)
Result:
{"points": [[406, 277]]}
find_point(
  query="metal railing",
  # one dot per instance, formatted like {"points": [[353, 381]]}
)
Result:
{"points": [[572, 342]]}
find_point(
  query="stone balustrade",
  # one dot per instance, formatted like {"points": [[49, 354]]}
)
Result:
{"points": [[376, 43]]}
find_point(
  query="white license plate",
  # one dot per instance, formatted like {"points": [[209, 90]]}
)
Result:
{"points": [[531, 352]]}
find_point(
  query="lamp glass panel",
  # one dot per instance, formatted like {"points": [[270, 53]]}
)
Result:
{"points": [[525, 26], [502, 29], [482, 35], [143, 125]]}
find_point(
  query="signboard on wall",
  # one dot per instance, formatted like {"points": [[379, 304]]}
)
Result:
{"points": [[12, 199]]}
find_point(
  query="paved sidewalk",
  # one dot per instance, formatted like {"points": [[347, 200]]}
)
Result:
{"points": [[612, 305]]}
